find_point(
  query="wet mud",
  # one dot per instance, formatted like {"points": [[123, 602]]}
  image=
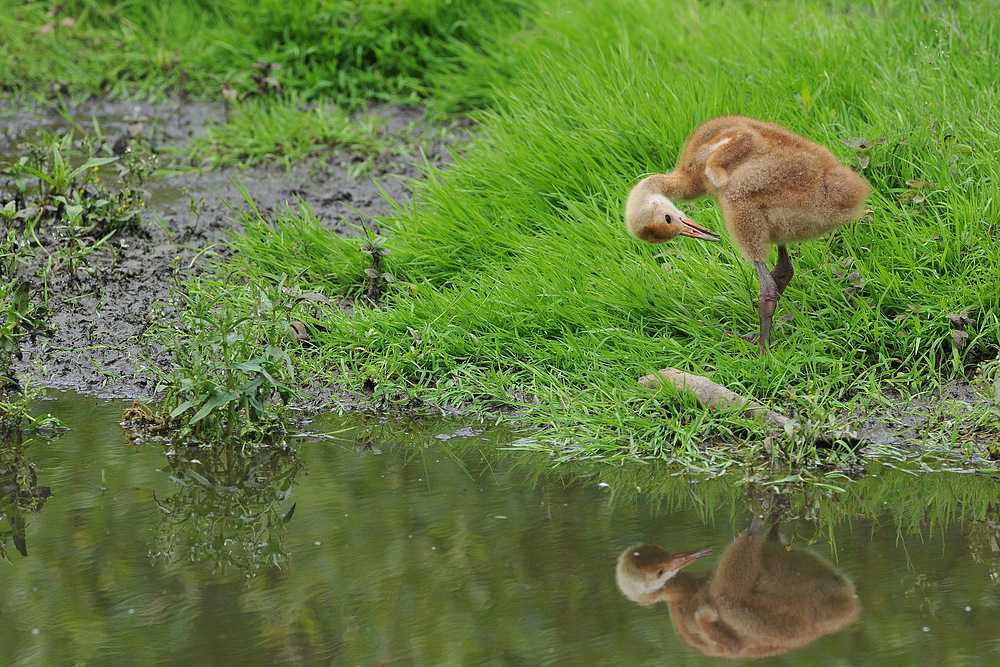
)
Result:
{"points": [[100, 315]]}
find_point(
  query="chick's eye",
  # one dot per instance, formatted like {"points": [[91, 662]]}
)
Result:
{"points": [[660, 573], [667, 216]]}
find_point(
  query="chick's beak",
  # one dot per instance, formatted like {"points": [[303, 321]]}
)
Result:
{"points": [[681, 560], [692, 229]]}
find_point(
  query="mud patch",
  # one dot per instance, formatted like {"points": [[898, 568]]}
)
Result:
{"points": [[100, 315], [168, 123], [937, 420]]}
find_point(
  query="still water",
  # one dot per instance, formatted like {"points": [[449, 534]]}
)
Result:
{"points": [[417, 543]]}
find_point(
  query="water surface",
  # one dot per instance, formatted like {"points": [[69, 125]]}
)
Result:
{"points": [[417, 543]]}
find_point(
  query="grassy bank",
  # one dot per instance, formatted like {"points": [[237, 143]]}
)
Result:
{"points": [[349, 52], [516, 284], [513, 282]]}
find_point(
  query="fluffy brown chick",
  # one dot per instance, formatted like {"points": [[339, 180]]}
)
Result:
{"points": [[773, 186]]}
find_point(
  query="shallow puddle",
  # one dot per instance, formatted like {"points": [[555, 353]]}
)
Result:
{"points": [[386, 542]]}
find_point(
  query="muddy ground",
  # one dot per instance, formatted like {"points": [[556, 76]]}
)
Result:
{"points": [[99, 319]]}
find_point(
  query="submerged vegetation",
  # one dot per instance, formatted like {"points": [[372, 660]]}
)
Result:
{"points": [[510, 283]]}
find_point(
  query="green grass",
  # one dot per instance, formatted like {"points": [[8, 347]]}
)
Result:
{"points": [[516, 282], [346, 51], [292, 132]]}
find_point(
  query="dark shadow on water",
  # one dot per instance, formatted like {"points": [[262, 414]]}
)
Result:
{"points": [[20, 492]]}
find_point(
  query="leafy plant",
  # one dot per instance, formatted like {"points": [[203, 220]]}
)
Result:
{"points": [[227, 370], [373, 245], [815, 423]]}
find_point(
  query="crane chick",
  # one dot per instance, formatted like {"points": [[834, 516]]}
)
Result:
{"points": [[773, 186]]}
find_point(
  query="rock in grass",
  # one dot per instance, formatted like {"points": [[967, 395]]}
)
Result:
{"points": [[711, 394]]}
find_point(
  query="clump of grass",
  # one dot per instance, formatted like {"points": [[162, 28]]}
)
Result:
{"points": [[261, 131], [290, 75], [228, 378]]}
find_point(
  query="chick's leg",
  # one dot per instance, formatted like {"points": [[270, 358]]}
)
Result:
{"points": [[767, 300], [782, 271]]}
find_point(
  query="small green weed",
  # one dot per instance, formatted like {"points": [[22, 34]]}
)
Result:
{"points": [[373, 245], [815, 435], [227, 369], [861, 148], [58, 181]]}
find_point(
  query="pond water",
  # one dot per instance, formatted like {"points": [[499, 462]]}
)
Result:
{"points": [[380, 542]]}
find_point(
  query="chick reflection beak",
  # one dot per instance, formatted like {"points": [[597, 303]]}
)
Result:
{"points": [[682, 560]]}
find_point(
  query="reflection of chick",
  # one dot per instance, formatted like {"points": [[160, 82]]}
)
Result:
{"points": [[764, 598], [645, 574]]}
